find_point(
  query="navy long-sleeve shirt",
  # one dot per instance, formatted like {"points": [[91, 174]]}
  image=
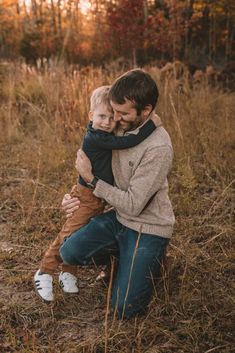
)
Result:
{"points": [[98, 146]]}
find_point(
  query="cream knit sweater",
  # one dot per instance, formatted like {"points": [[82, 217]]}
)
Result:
{"points": [[140, 196]]}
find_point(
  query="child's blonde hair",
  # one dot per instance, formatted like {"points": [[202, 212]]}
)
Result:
{"points": [[100, 96]]}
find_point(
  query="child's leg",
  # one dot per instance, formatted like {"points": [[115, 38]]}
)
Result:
{"points": [[90, 206], [51, 260]]}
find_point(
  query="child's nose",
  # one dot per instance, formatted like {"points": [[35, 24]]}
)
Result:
{"points": [[107, 121]]}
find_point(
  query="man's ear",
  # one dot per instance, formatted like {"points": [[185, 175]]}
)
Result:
{"points": [[90, 115], [146, 111]]}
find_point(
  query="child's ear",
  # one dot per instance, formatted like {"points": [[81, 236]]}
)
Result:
{"points": [[90, 115]]}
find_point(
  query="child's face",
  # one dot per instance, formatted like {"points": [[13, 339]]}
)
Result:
{"points": [[102, 118]]}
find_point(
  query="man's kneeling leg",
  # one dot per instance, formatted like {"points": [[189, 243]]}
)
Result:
{"points": [[94, 242], [140, 260]]}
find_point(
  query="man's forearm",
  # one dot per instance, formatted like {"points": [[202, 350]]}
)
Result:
{"points": [[146, 181]]}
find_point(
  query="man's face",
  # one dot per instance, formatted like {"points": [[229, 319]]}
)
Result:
{"points": [[126, 115], [102, 118]]}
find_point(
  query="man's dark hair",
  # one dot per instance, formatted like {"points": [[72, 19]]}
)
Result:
{"points": [[137, 86]]}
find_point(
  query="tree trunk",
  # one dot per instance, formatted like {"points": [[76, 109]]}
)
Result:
{"points": [[59, 19], [53, 17], [134, 59]]}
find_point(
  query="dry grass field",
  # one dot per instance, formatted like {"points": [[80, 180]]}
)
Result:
{"points": [[43, 115]]}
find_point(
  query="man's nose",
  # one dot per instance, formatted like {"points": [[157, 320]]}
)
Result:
{"points": [[117, 116]]}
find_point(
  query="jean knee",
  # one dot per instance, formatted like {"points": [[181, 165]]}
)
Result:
{"points": [[66, 255], [71, 255]]}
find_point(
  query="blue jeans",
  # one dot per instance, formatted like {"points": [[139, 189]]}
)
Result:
{"points": [[140, 257]]}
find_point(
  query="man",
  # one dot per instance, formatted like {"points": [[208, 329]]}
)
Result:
{"points": [[139, 227]]}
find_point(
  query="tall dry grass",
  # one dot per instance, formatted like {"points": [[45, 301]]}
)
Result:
{"points": [[42, 120]]}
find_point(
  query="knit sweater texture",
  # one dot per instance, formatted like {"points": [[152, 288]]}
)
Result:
{"points": [[140, 195]]}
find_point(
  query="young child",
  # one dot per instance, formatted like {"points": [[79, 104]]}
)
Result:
{"points": [[98, 144]]}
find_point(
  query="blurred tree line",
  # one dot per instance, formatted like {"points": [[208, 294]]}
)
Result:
{"points": [[141, 31]]}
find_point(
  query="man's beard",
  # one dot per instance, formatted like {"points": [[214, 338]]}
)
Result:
{"points": [[132, 125]]}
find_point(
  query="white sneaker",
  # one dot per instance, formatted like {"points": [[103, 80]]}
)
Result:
{"points": [[68, 282], [43, 286]]}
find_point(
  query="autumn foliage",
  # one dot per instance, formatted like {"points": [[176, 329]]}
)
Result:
{"points": [[140, 31]]}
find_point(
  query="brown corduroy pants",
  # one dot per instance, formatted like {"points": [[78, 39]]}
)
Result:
{"points": [[90, 206]]}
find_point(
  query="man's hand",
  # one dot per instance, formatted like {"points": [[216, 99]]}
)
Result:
{"points": [[83, 166], [69, 205]]}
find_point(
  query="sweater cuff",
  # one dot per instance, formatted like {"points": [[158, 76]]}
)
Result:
{"points": [[101, 189]]}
